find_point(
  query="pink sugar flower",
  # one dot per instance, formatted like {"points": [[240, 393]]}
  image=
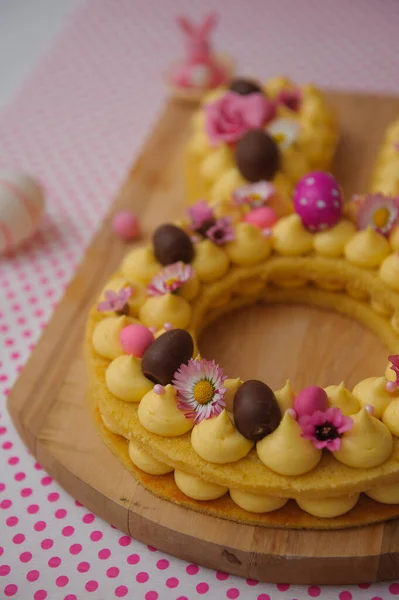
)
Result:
{"points": [[170, 279], [221, 232], [254, 195], [291, 98], [325, 428], [232, 115], [202, 216], [200, 390], [394, 360], [379, 211], [115, 301]]}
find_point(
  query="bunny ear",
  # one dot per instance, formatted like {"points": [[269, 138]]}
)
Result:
{"points": [[209, 24], [185, 25]]}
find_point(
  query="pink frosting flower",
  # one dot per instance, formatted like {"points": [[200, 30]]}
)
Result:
{"points": [[221, 232], [325, 428], [200, 390], [291, 98], [170, 279], [379, 211], [116, 301], [232, 115], [394, 360], [202, 216]]}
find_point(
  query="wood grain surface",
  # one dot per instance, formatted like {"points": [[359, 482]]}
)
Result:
{"points": [[48, 404]]}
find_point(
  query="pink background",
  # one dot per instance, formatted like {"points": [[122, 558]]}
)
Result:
{"points": [[78, 124]]}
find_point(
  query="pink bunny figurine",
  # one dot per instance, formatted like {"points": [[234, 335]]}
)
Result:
{"points": [[200, 69]]}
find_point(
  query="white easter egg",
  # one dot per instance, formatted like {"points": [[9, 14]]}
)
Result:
{"points": [[21, 208]]}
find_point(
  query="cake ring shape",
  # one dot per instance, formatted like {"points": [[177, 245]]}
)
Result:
{"points": [[275, 132], [321, 448]]}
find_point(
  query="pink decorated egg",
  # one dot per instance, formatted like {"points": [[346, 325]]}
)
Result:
{"points": [[135, 339], [309, 400], [261, 217], [126, 224], [318, 201]]}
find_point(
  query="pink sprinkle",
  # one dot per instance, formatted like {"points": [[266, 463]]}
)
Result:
{"points": [[10, 590], [192, 569], [370, 409], [88, 518], [75, 549], [54, 562], [33, 575], [153, 329], [168, 326], [390, 387], [62, 581], [314, 591], [25, 557], [83, 567], [125, 540], [162, 564], [91, 586], [95, 536], [39, 526], [159, 389], [292, 413]]}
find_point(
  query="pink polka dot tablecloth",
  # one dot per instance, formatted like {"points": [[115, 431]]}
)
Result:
{"points": [[78, 124]]}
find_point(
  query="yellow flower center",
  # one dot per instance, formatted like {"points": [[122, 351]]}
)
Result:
{"points": [[255, 196], [169, 282], [381, 217], [203, 391], [279, 137]]}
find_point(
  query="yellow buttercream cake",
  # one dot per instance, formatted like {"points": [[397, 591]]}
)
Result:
{"points": [[321, 458], [298, 120]]}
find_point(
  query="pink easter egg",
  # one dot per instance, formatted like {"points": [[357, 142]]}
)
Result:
{"points": [[261, 217], [309, 400], [318, 201], [126, 224], [135, 339]]}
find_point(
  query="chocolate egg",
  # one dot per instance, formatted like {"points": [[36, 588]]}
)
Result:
{"points": [[256, 411], [257, 156], [172, 244], [244, 87], [166, 354]]}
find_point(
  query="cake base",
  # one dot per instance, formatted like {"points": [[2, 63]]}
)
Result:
{"points": [[48, 404]]}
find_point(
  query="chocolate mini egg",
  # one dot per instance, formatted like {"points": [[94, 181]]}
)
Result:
{"points": [[257, 156], [21, 209], [244, 87], [256, 411], [318, 201], [172, 244], [166, 354]]}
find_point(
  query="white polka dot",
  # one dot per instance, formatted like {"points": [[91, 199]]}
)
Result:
{"points": [[311, 228], [321, 204], [337, 203], [323, 226], [335, 193], [303, 201], [309, 180]]}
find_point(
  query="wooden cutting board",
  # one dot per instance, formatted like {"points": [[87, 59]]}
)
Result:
{"points": [[307, 345]]}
